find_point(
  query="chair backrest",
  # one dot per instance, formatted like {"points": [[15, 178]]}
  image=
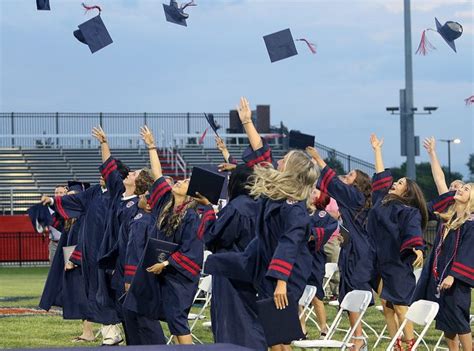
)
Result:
{"points": [[417, 273], [330, 269], [206, 284], [422, 312], [308, 295], [356, 301]]}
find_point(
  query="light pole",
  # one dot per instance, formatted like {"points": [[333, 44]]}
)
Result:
{"points": [[449, 141]]}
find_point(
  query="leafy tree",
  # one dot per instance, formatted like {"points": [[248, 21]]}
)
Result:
{"points": [[470, 164], [335, 164]]}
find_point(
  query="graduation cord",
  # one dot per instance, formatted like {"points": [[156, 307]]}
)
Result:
{"points": [[425, 46], [311, 46], [438, 278], [88, 8]]}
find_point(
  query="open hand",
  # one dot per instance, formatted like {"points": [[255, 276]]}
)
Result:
{"points": [[245, 113], [429, 144], [157, 268], [375, 142], [99, 134], [147, 136], [201, 199], [280, 296], [447, 282], [223, 167]]}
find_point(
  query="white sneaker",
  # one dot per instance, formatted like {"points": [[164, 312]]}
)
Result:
{"points": [[111, 335]]}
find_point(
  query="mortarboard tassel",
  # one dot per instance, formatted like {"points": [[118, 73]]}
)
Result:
{"points": [[88, 8], [191, 3], [469, 100], [311, 46], [425, 46], [201, 139]]}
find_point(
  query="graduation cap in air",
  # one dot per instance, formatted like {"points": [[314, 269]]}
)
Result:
{"points": [[43, 5], [279, 326], [175, 13], [300, 141], [40, 217], [280, 45], [469, 100], [93, 32], [450, 31], [74, 185], [212, 122], [207, 183]]}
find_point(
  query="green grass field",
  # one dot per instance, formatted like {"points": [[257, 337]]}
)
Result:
{"points": [[22, 287]]}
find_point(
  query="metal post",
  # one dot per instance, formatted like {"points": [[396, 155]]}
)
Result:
{"points": [[407, 110], [449, 162], [144, 119], [13, 129], [57, 128], [11, 201], [188, 127]]}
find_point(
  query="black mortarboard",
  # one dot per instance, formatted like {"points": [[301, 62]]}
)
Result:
{"points": [[207, 183], [94, 34], [210, 119], [279, 326], [215, 169], [300, 141], [42, 5], [175, 14], [74, 185], [40, 217], [450, 31], [280, 45]]}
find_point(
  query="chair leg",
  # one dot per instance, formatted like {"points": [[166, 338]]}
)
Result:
{"points": [[381, 336]]}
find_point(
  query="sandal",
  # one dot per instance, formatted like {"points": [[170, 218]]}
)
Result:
{"points": [[410, 344], [398, 345], [364, 347], [81, 339]]}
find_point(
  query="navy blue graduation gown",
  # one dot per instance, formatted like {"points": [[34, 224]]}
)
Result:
{"points": [[112, 253], [75, 304], [170, 294], [322, 227], [396, 231], [450, 256], [357, 257], [233, 303], [93, 205]]}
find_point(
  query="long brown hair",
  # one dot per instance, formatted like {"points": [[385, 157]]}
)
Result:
{"points": [[170, 218], [413, 196], [363, 183]]}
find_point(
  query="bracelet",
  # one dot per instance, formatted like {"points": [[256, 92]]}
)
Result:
{"points": [[103, 142], [244, 123], [152, 148]]}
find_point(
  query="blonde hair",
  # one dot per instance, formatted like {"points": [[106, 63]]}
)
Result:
{"points": [[294, 182], [453, 222]]}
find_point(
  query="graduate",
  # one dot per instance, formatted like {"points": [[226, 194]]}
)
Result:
{"points": [[448, 276], [141, 330], [357, 257], [396, 222], [323, 226], [233, 303], [93, 204], [123, 207], [277, 261], [174, 282]]}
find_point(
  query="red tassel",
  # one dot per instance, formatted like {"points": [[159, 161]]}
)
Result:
{"points": [[469, 100], [201, 139], [311, 46], [88, 8], [191, 3], [425, 46]]}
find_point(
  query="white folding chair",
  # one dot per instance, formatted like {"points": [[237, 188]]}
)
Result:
{"points": [[329, 270], [417, 273], [354, 301], [205, 286], [305, 300], [421, 312]]}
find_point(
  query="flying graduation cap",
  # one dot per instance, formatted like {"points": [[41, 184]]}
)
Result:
{"points": [[281, 45], [93, 32], [175, 14], [43, 5], [450, 31], [74, 185], [469, 100], [210, 119]]}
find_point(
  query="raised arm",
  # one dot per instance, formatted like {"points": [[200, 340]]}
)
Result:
{"points": [[99, 134], [316, 157], [438, 175], [377, 146], [223, 149], [155, 163], [245, 115]]}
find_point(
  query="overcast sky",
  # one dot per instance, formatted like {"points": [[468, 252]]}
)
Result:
{"points": [[339, 94]]}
